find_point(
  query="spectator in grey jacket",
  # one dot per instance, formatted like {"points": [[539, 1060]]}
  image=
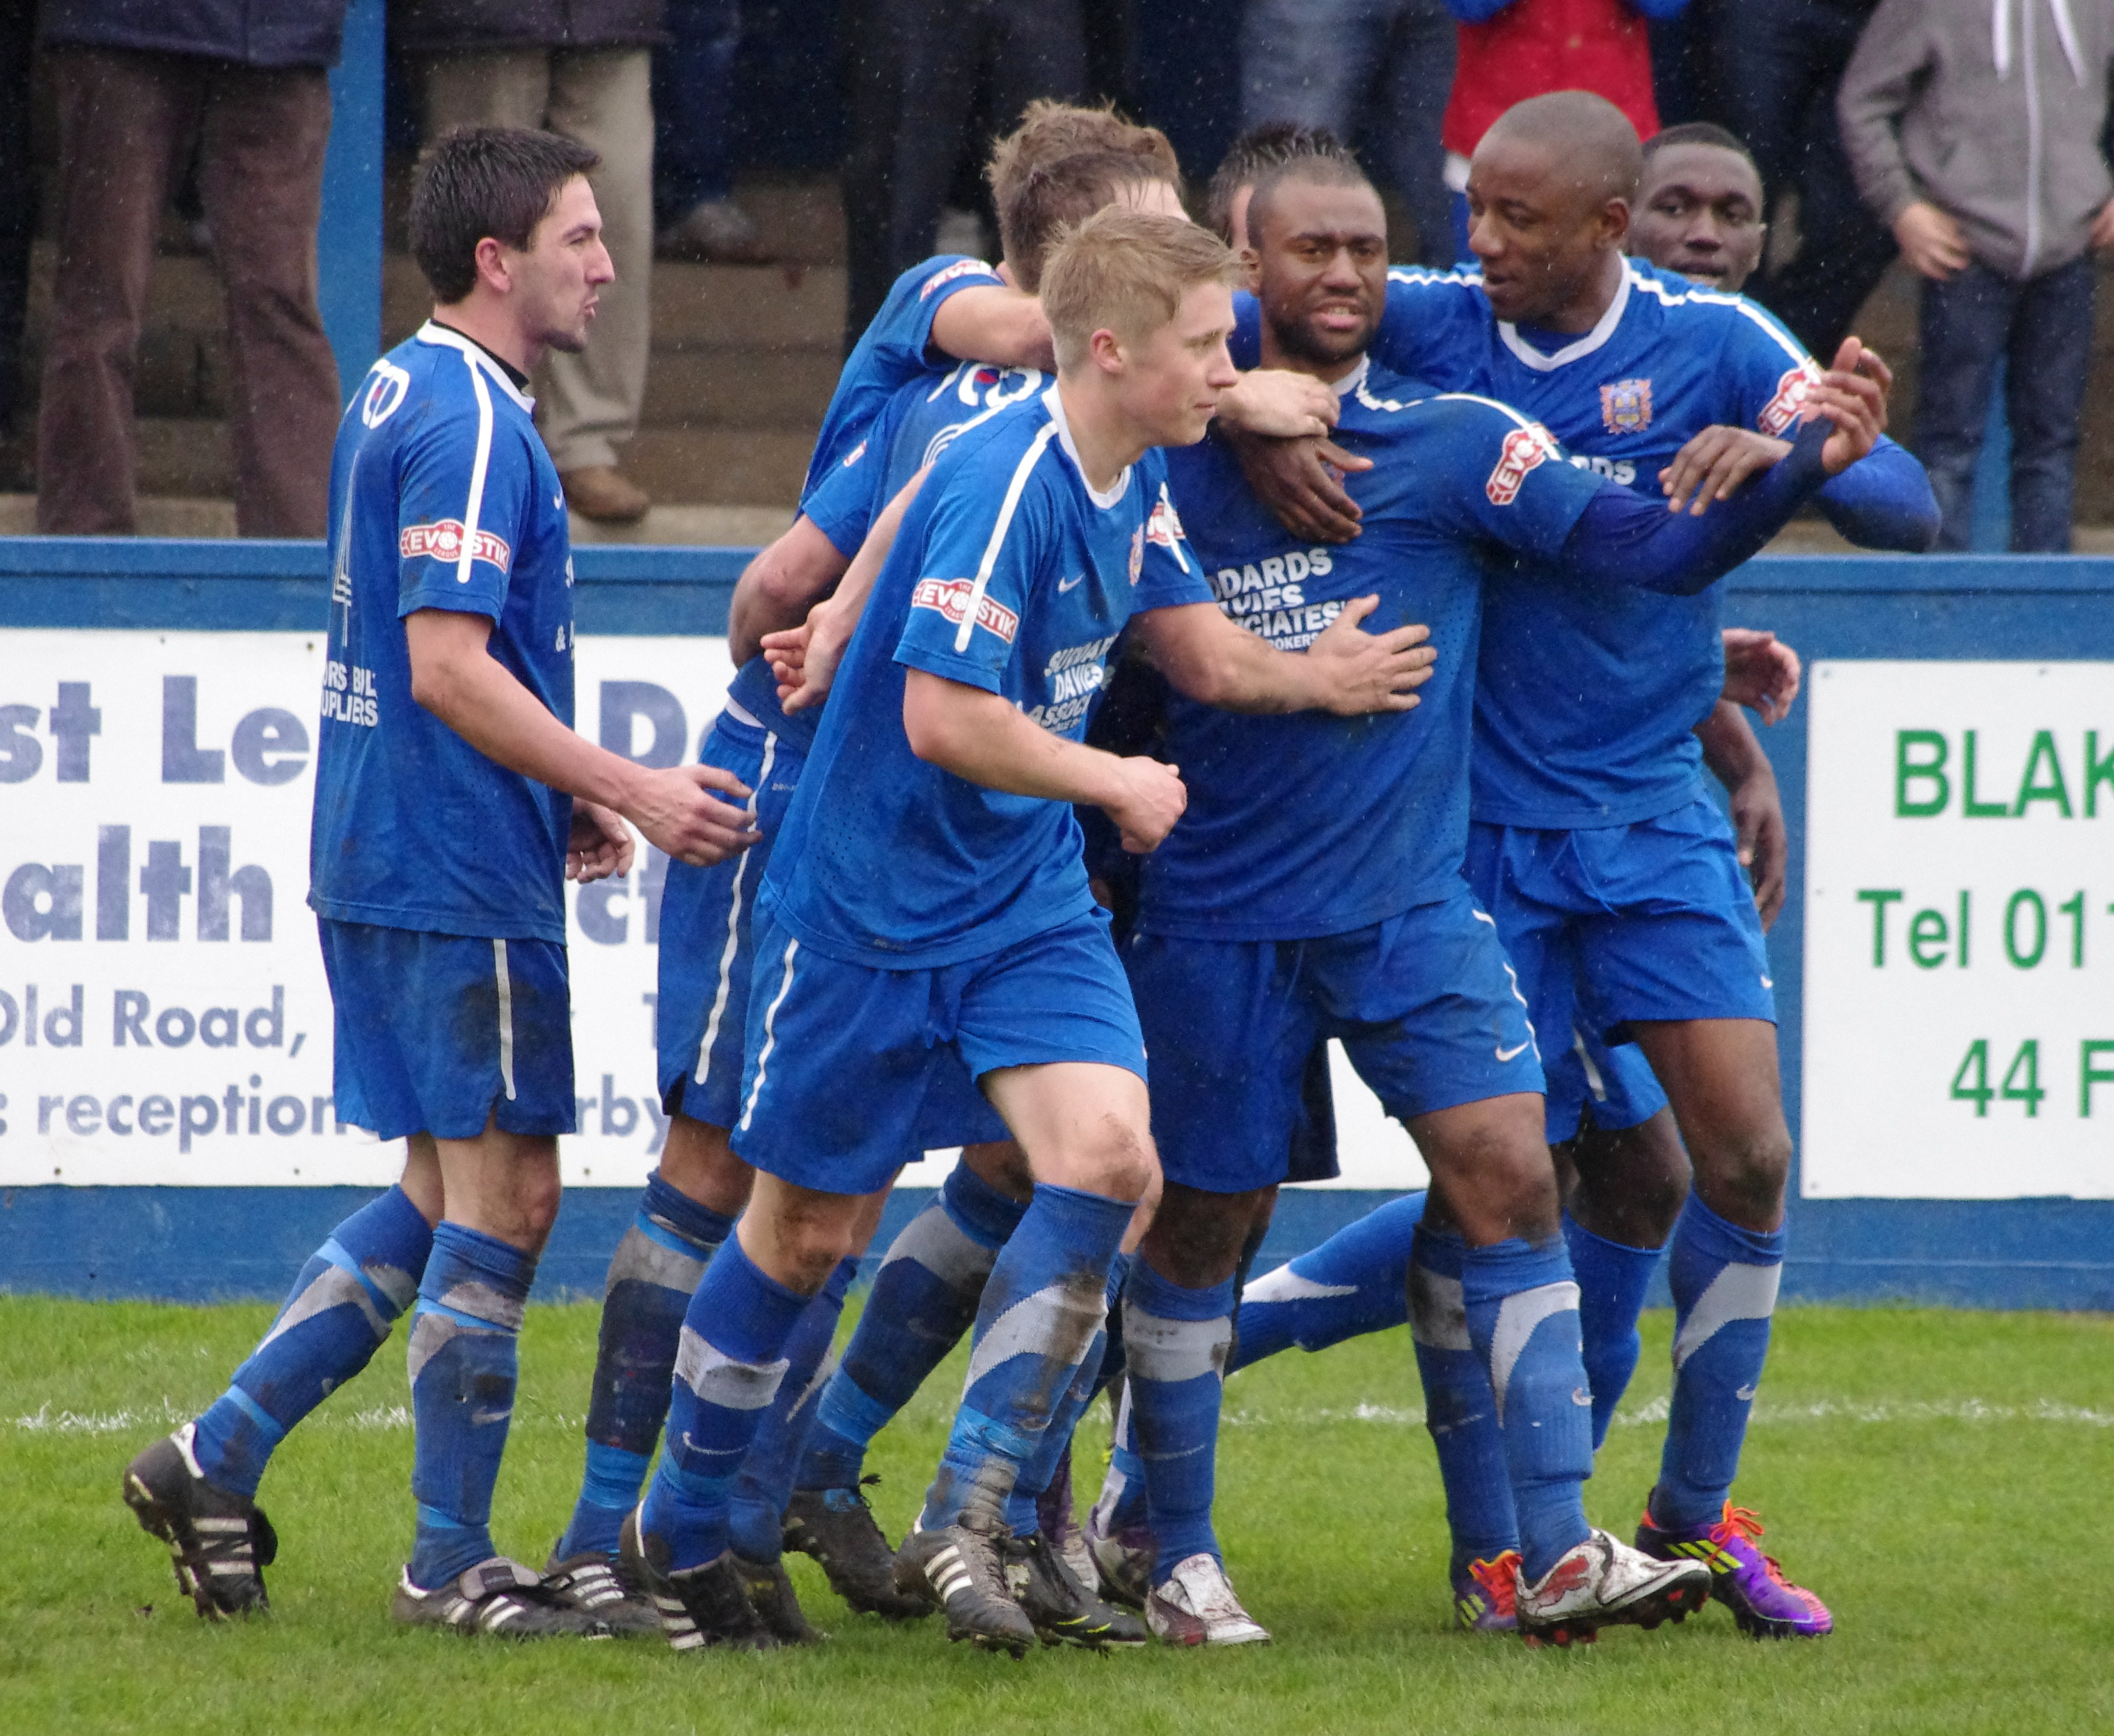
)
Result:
{"points": [[133, 78], [1974, 129], [582, 68]]}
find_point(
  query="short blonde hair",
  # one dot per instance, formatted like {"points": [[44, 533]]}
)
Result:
{"points": [[1048, 130], [1127, 271]]}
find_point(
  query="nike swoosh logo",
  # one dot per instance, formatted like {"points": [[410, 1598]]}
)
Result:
{"points": [[1506, 1054], [1073, 582], [1580, 1396], [1745, 1395], [1767, 983]]}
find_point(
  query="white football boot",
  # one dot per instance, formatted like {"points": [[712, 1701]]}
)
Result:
{"points": [[1603, 1583], [1196, 1607]]}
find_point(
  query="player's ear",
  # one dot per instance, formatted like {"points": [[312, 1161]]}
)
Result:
{"points": [[1107, 350], [492, 268], [1614, 221], [1252, 264]]}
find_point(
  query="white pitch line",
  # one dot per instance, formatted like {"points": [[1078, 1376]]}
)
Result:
{"points": [[1654, 1412]]}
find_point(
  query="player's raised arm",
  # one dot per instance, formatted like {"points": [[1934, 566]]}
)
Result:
{"points": [[456, 678], [804, 658], [996, 324]]}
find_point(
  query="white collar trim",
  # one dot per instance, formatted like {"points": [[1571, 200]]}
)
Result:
{"points": [[1355, 380], [433, 332], [1053, 402], [1544, 362]]}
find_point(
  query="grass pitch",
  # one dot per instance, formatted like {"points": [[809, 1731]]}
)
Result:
{"points": [[1938, 1476]]}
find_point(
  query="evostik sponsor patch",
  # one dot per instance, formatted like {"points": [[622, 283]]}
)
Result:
{"points": [[1524, 448], [949, 598], [443, 541], [1782, 410], [953, 274]]}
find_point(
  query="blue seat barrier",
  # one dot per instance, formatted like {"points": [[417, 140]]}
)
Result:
{"points": [[1954, 1106]]}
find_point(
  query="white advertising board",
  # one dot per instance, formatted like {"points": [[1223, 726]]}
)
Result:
{"points": [[164, 1019], [1959, 1039]]}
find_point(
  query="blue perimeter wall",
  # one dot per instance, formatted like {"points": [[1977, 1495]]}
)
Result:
{"points": [[113, 1242]]}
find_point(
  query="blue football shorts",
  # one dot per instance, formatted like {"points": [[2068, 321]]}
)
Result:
{"points": [[1607, 924], [1614, 1081], [852, 1068], [701, 1012], [439, 1033], [1424, 1004]]}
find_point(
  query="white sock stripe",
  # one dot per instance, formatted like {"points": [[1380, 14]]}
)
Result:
{"points": [[1518, 1316], [1058, 1322], [1285, 1285], [505, 1009], [1739, 1292], [717, 1378], [1158, 1348]]}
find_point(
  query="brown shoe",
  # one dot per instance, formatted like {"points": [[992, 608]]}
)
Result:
{"points": [[601, 492]]}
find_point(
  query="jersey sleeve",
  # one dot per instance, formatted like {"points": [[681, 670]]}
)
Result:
{"points": [[1768, 369], [1507, 480], [904, 327], [984, 548], [843, 505], [464, 488], [1431, 327], [1170, 573]]}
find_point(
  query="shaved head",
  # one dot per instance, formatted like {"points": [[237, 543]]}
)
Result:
{"points": [[1587, 134]]}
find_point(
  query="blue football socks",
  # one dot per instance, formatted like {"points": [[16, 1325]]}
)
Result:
{"points": [[756, 1511], [465, 1332], [335, 1317], [1041, 1470], [1353, 1283], [1613, 1278], [1724, 1282], [729, 1365], [651, 1274], [1521, 1305], [1176, 1339], [924, 1299], [1042, 1306], [1459, 1408]]}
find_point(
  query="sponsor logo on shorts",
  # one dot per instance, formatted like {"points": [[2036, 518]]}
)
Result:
{"points": [[1626, 406], [443, 541], [949, 598], [1782, 410], [953, 274], [1524, 449], [1505, 1054]]}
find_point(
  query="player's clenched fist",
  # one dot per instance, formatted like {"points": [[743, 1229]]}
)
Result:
{"points": [[1150, 796], [671, 808], [1370, 671]]}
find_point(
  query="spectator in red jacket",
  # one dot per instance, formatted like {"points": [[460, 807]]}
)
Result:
{"points": [[1510, 50]]}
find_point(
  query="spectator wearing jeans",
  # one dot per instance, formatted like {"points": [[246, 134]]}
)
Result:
{"points": [[582, 68], [135, 80], [695, 215], [1510, 50], [1779, 64], [1974, 127], [1375, 70]]}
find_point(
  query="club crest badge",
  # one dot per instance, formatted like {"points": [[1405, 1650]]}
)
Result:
{"points": [[1626, 406], [1136, 554]]}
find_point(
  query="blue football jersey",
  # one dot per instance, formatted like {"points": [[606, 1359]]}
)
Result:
{"points": [[890, 353], [441, 497], [919, 422], [1587, 694], [1010, 574], [1308, 824]]}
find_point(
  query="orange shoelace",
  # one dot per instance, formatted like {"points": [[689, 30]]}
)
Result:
{"points": [[1746, 1524], [1499, 1580]]}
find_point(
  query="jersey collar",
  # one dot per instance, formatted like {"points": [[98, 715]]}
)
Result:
{"points": [[1355, 379], [1054, 403], [433, 333], [1543, 361]]}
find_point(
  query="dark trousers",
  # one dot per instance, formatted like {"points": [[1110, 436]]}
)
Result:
{"points": [[18, 197], [916, 69], [2043, 329], [123, 117], [693, 105], [1780, 63]]}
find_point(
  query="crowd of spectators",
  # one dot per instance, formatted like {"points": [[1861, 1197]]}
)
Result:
{"points": [[1966, 135]]}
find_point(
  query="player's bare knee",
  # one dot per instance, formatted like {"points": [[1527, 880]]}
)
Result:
{"points": [[1751, 1171], [1001, 1164], [1114, 1158]]}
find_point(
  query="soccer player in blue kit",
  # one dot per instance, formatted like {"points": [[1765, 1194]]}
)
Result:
{"points": [[453, 799], [707, 919], [888, 1005], [1613, 881], [1278, 912]]}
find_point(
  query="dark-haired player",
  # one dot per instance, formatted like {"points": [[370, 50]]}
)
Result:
{"points": [[453, 799], [1615, 883], [1279, 914]]}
